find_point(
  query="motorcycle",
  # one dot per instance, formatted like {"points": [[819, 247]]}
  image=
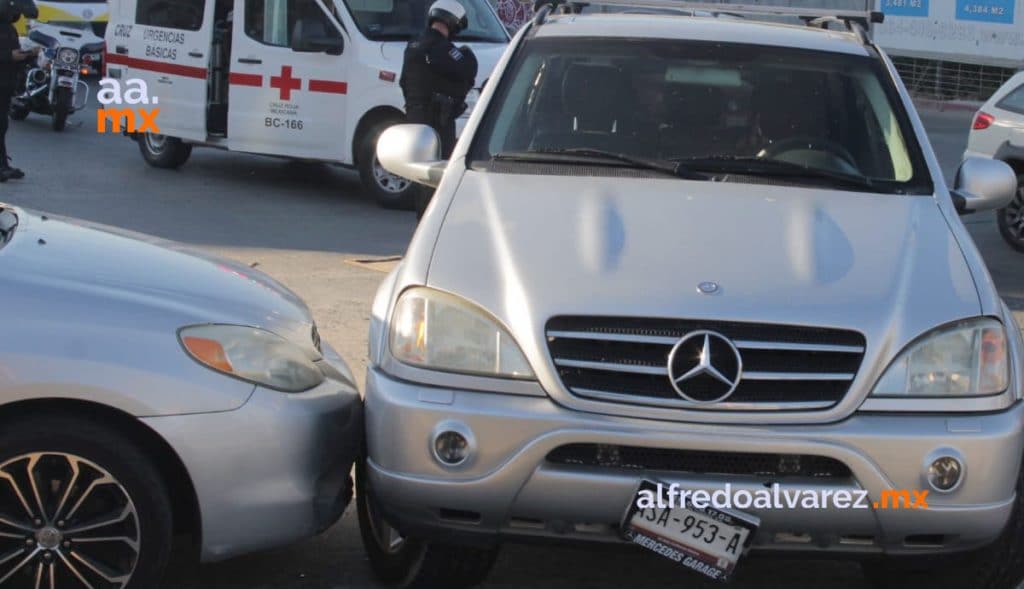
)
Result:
{"points": [[52, 85]]}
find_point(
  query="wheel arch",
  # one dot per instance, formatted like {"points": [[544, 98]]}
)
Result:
{"points": [[1017, 163], [370, 118], [184, 501]]}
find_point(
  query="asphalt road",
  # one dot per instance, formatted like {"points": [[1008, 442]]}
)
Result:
{"points": [[305, 224]]}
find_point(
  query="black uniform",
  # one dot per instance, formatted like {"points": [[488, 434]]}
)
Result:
{"points": [[8, 71], [10, 12], [436, 76]]}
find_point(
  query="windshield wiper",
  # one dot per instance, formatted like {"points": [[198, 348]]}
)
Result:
{"points": [[755, 166], [602, 157]]}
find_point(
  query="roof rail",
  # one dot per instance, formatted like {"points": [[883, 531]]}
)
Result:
{"points": [[819, 17]]}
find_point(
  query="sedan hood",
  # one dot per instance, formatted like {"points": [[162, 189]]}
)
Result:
{"points": [[530, 247], [67, 259]]}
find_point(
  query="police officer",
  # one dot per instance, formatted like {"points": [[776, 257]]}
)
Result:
{"points": [[437, 76], [12, 59]]}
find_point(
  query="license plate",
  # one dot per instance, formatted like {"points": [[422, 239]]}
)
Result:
{"points": [[705, 540]]}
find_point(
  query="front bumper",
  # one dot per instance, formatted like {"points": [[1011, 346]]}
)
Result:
{"points": [[508, 489], [275, 470]]}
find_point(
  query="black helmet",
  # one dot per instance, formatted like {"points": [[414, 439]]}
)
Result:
{"points": [[451, 13]]}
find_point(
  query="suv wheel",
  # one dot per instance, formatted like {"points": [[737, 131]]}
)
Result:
{"points": [[997, 566], [390, 191], [410, 563], [1011, 219], [80, 506], [161, 151]]}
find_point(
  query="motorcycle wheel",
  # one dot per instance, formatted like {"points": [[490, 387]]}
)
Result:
{"points": [[61, 109], [1011, 219]]}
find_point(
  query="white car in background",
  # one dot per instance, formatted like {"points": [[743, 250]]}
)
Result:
{"points": [[998, 132]]}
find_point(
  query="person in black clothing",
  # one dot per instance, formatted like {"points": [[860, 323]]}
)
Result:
{"points": [[437, 76], [12, 58]]}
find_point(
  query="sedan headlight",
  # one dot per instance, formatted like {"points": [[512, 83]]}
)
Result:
{"points": [[967, 359], [253, 355], [439, 331]]}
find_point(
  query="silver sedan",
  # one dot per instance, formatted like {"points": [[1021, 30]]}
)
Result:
{"points": [[146, 392]]}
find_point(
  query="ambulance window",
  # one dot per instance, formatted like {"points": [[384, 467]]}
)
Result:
{"points": [[171, 14], [273, 22]]}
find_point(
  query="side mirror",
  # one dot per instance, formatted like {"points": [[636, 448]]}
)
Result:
{"points": [[983, 185], [311, 37], [412, 152]]}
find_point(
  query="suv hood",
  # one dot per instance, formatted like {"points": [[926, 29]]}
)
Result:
{"points": [[72, 262], [529, 247]]}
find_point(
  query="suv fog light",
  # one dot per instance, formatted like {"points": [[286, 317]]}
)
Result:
{"points": [[451, 447], [945, 474], [453, 443]]}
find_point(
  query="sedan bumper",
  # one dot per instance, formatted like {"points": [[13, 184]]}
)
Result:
{"points": [[511, 488], [275, 470]]}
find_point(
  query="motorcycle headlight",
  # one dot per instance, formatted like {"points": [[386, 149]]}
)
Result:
{"points": [[67, 56], [968, 359], [253, 355], [439, 331]]}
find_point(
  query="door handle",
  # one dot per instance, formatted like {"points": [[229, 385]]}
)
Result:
{"points": [[195, 54], [249, 60], [121, 50]]}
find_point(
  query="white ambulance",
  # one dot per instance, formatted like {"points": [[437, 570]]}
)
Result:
{"points": [[305, 79]]}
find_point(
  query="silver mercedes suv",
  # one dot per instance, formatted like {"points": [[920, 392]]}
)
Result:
{"points": [[675, 257]]}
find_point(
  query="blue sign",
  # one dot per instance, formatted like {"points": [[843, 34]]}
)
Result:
{"points": [[998, 11], [905, 7]]}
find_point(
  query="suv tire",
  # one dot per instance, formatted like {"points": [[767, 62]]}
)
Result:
{"points": [[417, 564], [997, 566], [161, 151], [134, 492], [390, 191], [1011, 219]]}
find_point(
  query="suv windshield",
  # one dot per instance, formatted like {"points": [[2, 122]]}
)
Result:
{"points": [[732, 111], [401, 20]]}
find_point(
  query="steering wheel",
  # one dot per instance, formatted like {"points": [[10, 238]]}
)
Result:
{"points": [[820, 144]]}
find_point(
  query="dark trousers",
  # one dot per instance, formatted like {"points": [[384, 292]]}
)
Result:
{"points": [[5, 109], [423, 115]]}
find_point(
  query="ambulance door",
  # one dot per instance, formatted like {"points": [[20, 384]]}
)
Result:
{"points": [[288, 84], [167, 46]]}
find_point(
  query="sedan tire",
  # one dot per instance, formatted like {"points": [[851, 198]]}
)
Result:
{"points": [[80, 506]]}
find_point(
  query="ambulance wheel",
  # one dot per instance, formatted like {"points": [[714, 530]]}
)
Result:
{"points": [[390, 191], [161, 151]]}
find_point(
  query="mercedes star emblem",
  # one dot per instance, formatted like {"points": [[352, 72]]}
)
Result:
{"points": [[705, 367]]}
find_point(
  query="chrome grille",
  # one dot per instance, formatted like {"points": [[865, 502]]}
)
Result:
{"points": [[625, 360]]}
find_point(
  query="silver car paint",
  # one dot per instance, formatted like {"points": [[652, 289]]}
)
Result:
{"points": [[893, 267], [91, 313]]}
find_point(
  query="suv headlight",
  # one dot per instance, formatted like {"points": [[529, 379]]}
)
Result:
{"points": [[439, 331], [967, 359], [253, 355]]}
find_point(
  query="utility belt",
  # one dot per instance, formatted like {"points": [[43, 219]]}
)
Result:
{"points": [[441, 110]]}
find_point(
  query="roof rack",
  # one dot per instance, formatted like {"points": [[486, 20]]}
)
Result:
{"points": [[857, 21]]}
